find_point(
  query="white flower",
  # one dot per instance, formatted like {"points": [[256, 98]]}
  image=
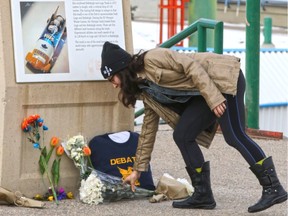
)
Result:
{"points": [[69, 147], [78, 137], [74, 154], [71, 141], [77, 157], [91, 190]]}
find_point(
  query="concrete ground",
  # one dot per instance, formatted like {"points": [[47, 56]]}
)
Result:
{"points": [[234, 186]]}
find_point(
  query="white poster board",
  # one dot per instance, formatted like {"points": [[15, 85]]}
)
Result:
{"points": [[62, 40]]}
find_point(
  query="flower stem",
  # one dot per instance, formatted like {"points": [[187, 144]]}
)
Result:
{"points": [[89, 162], [49, 178]]}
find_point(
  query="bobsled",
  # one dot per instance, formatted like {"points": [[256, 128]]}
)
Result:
{"points": [[48, 45]]}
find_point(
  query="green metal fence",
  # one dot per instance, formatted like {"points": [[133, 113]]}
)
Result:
{"points": [[200, 26]]}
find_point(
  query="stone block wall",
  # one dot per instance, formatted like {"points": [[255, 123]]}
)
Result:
{"points": [[68, 108]]}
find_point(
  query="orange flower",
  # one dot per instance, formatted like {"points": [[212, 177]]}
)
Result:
{"points": [[86, 151], [60, 150], [33, 118], [25, 125], [54, 141]]}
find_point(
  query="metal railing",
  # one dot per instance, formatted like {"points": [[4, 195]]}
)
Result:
{"points": [[200, 26]]}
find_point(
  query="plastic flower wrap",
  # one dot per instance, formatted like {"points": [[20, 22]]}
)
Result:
{"points": [[98, 187], [101, 187]]}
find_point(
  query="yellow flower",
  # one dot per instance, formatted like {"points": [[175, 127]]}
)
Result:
{"points": [[38, 197], [70, 195], [50, 198]]}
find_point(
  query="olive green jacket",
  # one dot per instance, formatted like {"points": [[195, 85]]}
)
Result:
{"points": [[212, 74]]}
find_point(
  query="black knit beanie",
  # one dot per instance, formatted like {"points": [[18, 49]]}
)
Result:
{"points": [[114, 59]]}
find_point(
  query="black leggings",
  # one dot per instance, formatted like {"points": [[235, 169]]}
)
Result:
{"points": [[197, 117]]}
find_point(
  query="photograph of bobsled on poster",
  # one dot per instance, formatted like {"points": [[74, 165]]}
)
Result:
{"points": [[44, 37]]}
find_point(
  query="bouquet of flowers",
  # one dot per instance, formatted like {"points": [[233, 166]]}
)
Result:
{"points": [[32, 126], [101, 187], [76, 148], [98, 187]]}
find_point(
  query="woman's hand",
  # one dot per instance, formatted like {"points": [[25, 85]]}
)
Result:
{"points": [[132, 178], [220, 109]]}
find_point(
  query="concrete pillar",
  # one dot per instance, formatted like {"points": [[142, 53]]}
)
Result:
{"points": [[68, 108]]}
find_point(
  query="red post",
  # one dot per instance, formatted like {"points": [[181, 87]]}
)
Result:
{"points": [[172, 7], [161, 6]]}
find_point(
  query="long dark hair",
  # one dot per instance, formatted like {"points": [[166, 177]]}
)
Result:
{"points": [[129, 81]]}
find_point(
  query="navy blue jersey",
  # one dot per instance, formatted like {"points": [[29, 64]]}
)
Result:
{"points": [[117, 159]]}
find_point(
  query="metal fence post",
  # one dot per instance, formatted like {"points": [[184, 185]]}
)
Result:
{"points": [[252, 62]]}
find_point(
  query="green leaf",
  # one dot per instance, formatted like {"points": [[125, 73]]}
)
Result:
{"points": [[42, 160], [41, 164], [55, 170], [44, 152], [49, 154]]}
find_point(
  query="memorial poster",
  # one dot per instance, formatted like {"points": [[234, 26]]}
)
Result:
{"points": [[56, 41]]}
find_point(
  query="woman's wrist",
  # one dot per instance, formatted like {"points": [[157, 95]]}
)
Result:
{"points": [[137, 173]]}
